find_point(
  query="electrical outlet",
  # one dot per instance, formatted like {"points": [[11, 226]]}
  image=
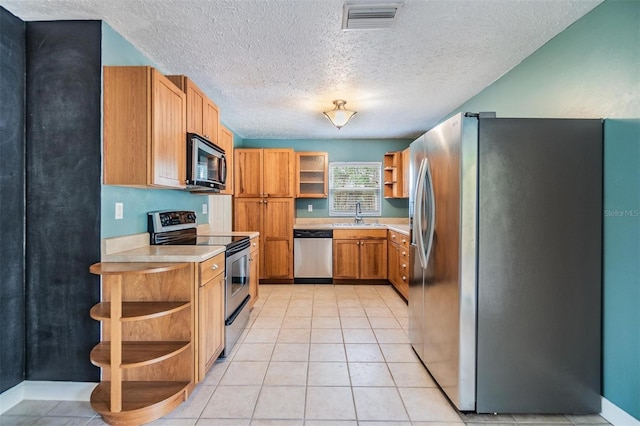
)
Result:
{"points": [[119, 211], [309, 207], [205, 208]]}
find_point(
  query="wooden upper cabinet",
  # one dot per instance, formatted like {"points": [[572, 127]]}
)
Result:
{"points": [[312, 170], [211, 125], [225, 141], [393, 175], [263, 172], [248, 173], [144, 129], [277, 172], [203, 115]]}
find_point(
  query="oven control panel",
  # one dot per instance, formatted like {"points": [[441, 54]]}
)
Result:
{"points": [[170, 220]]}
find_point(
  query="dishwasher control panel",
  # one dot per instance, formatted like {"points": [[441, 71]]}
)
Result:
{"points": [[313, 233]]}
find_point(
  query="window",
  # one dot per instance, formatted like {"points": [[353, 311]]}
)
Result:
{"points": [[351, 182]]}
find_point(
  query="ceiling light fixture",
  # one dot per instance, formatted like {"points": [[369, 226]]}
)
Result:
{"points": [[339, 116]]}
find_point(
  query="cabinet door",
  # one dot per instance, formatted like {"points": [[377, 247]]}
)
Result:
{"points": [[248, 214], [373, 259], [393, 263], [195, 109], [225, 141], [277, 237], [278, 172], [168, 163], [211, 323], [248, 173], [211, 121], [346, 259], [126, 133]]}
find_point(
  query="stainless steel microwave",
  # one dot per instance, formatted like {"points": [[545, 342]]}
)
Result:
{"points": [[206, 165]]}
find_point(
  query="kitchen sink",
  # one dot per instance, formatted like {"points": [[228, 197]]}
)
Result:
{"points": [[357, 225]]}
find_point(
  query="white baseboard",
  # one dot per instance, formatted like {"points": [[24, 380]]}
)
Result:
{"points": [[616, 415], [50, 391]]}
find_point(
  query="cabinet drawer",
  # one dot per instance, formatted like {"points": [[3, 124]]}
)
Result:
{"points": [[211, 267], [399, 238], [255, 244], [359, 234]]}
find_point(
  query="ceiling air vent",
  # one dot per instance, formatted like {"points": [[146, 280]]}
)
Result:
{"points": [[371, 16]]}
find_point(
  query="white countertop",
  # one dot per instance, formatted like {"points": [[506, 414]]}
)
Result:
{"points": [[136, 248], [165, 254]]}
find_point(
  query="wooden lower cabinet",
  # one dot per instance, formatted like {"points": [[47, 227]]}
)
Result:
{"points": [[398, 260], [210, 313], [273, 218], [146, 351], [254, 270], [360, 254]]}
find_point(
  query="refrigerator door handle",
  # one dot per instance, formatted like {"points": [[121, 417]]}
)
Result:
{"points": [[432, 212], [419, 235]]}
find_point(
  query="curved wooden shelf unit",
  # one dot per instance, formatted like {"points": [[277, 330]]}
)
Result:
{"points": [[137, 354], [131, 268], [134, 311], [143, 402]]}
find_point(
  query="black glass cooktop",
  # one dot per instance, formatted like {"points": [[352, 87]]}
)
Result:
{"points": [[218, 240]]}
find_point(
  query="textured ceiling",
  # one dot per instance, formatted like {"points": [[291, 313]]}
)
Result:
{"points": [[273, 66]]}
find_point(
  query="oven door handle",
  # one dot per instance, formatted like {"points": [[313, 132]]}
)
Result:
{"points": [[235, 313]]}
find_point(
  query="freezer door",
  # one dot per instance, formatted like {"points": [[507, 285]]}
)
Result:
{"points": [[416, 271], [449, 286]]}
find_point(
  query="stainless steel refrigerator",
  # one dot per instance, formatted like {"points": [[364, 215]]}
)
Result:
{"points": [[506, 242]]}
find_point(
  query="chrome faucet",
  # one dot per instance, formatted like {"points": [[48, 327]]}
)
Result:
{"points": [[358, 216]]}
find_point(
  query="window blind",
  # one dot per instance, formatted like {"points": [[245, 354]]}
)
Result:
{"points": [[350, 182]]}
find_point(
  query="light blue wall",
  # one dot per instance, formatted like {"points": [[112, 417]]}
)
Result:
{"points": [[622, 264], [340, 150], [137, 202], [592, 70]]}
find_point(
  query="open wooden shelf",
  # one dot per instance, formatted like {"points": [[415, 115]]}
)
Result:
{"points": [[147, 348], [142, 402], [135, 311], [393, 175], [137, 354], [311, 174]]}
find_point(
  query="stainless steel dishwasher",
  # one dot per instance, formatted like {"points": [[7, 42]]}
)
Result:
{"points": [[312, 256]]}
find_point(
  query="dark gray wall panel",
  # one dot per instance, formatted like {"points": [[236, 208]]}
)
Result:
{"points": [[12, 169], [63, 197], [539, 270]]}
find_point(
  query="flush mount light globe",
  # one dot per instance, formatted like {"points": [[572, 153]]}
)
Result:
{"points": [[339, 116]]}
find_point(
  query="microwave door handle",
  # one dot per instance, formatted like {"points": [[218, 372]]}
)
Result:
{"points": [[194, 162], [223, 169]]}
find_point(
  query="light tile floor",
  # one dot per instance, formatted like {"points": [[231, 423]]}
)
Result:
{"points": [[313, 355]]}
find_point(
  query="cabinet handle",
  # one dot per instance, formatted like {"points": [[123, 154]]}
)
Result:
{"points": [[214, 266], [404, 253], [404, 241], [404, 265], [393, 237], [404, 278]]}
